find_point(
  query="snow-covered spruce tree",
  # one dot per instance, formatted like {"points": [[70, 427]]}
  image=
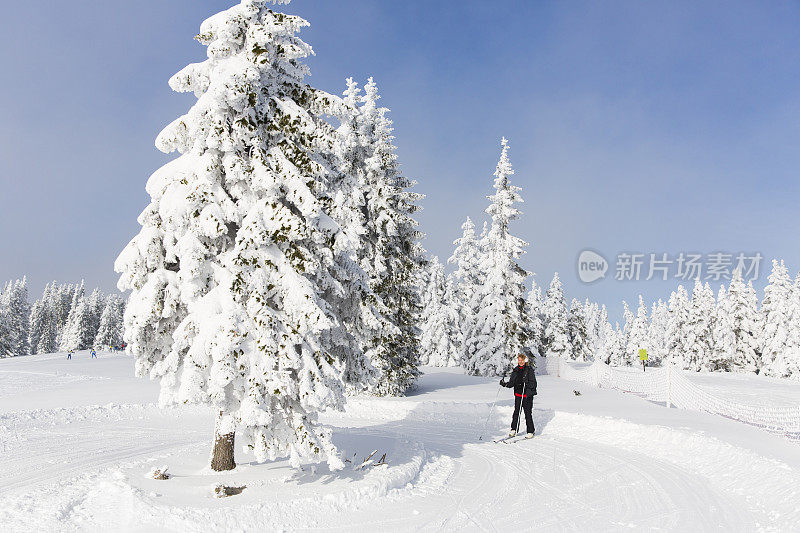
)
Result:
{"points": [[637, 335], [453, 326], [18, 316], [556, 327], [599, 344], [535, 304], [779, 336], [68, 340], [438, 342], [578, 337], [591, 314], [361, 311], [622, 358], [745, 325], [467, 280], [39, 321], [657, 334], [392, 254], [501, 327], [48, 341], [609, 343], [722, 336], [699, 327], [789, 366], [676, 327], [616, 346], [110, 330], [5, 324], [61, 305], [229, 271], [97, 303], [79, 332]]}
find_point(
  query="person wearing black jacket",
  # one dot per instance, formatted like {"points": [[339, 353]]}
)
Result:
{"points": [[523, 379]]}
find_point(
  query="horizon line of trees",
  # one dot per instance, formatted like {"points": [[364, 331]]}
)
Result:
{"points": [[729, 332], [64, 318]]}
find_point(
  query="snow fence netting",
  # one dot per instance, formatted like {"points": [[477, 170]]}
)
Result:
{"points": [[671, 386]]}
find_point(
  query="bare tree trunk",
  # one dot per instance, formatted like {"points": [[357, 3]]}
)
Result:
{"points": [[222, 456]]}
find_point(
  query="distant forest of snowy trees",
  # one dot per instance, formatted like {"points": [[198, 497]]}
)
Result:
{"points": [[478, 317], [728, 332], [63, 319]]}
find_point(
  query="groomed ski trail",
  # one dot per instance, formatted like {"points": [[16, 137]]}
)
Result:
{"points": [[83, 467]]}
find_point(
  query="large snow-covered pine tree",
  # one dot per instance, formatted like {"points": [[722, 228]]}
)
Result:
{"points": [[229, 272]]}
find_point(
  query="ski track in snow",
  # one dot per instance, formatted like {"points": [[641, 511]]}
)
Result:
{"points": [[82, 468]]}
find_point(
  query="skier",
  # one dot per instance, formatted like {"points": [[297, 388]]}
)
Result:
{"points": [[523, 379], [69, 354], [94, 354]]}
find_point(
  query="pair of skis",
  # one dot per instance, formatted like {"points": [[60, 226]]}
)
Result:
{"points": [[510, 440]]}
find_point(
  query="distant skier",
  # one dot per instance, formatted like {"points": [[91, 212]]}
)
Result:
{"points": [[523, 379], [94, 354], [69, 354]]}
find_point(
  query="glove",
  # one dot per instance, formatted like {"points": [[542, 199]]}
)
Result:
{"points": [[502, 382]]}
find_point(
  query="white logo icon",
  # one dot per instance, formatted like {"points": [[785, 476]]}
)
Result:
{"points": [[591, 266]]}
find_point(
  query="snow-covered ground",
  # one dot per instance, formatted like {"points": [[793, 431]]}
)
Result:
{"points": [[78, 438]]}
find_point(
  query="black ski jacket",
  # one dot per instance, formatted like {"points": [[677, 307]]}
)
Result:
{"points": [[523, 376]]}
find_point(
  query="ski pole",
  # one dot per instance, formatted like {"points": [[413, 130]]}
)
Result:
{"points": [[491, 409], [521, 408]]}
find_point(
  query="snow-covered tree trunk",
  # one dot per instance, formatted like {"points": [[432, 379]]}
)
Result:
{"points": [[223, 452]]}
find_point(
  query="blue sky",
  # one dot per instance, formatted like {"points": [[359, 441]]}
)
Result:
{"points": [[634, 126]]}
